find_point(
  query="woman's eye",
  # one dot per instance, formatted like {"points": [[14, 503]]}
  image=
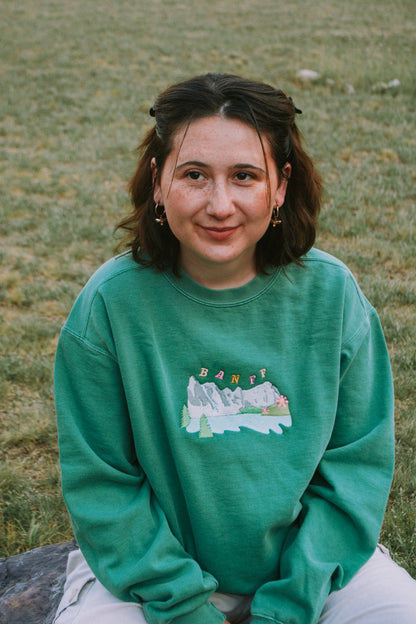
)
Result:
{"points": [[243, 176], [194, 175]]}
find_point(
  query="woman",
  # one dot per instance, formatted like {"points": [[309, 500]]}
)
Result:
{"points": [[223, 391]]}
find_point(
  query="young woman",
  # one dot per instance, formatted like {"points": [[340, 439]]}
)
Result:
{"points": [[223, 391]]}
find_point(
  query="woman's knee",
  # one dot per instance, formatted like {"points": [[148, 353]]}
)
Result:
{"points": [[380, 593], [86, 600]]}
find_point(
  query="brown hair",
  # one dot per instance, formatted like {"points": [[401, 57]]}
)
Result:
{"points": [[262, 107]]}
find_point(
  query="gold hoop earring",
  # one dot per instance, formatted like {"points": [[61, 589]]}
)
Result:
{"points": [[160, 214], [275, 216]]}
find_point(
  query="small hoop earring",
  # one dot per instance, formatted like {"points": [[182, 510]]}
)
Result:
{"points": [[275, 216], [160, 215]]}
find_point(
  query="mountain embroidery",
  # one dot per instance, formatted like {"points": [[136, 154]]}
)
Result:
{"points": [[210, 410]]}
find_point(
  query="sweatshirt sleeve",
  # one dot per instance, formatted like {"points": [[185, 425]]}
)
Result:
{"points": [[118, 522], [343, 507]]}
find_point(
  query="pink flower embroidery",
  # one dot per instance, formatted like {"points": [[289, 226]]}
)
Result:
{"points": [[282, 401]]}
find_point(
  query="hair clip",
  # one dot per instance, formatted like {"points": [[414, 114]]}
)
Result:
{"points": [[152, 112], [297, 110]]}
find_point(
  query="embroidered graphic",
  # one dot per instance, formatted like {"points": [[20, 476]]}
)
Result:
{"points": [[211, 410]]}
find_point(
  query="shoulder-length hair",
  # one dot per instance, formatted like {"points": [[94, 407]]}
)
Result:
{"points": [[272, 114]]}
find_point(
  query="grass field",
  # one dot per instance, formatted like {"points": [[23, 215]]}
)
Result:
{"points": [[77, 80]]}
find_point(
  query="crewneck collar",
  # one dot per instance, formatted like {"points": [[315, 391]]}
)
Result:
{"points": [[224, 297]]}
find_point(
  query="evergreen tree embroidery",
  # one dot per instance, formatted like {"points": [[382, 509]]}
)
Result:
{"points": [[204, 428], [186, 419]]}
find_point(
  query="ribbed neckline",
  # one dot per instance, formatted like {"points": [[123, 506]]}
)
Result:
{"points": [[226, 297]]}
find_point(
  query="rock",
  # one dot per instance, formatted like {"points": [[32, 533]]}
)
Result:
{"points": [[382, 87], [393, 83], [308, 75], [349, 88], [31, 584]]}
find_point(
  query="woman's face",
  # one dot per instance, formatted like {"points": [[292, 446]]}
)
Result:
{"points": [[218, 198]]}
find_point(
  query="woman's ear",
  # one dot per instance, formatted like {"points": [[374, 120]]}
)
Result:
{"points": [[155, 180], [281, 189], [287, 171]]}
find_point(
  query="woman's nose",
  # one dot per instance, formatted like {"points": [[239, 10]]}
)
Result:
{"points": [[221, 203]]}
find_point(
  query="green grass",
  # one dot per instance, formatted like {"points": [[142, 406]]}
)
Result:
{"points": [[77, 80]]}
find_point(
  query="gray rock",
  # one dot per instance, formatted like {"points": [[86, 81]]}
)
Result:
{"points": [[383, 87], [308, 75], [31, 584], [349, 88]]}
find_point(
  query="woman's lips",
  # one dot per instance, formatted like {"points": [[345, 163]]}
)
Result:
{"points": [[219, 234]]}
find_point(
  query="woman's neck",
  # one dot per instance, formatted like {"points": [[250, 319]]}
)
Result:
{"points": [[220, 276]]}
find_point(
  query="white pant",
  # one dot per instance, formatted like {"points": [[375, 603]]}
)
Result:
{"points": [[380, 593]]}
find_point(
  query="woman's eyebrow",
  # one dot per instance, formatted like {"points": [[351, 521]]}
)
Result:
{"points": [[248, 166], [193, 163]]}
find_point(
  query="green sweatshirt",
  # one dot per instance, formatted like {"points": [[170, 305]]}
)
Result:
{"points": [[235, 440]]}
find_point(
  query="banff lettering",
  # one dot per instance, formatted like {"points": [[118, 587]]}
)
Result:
{"points": [[234, 377]]}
